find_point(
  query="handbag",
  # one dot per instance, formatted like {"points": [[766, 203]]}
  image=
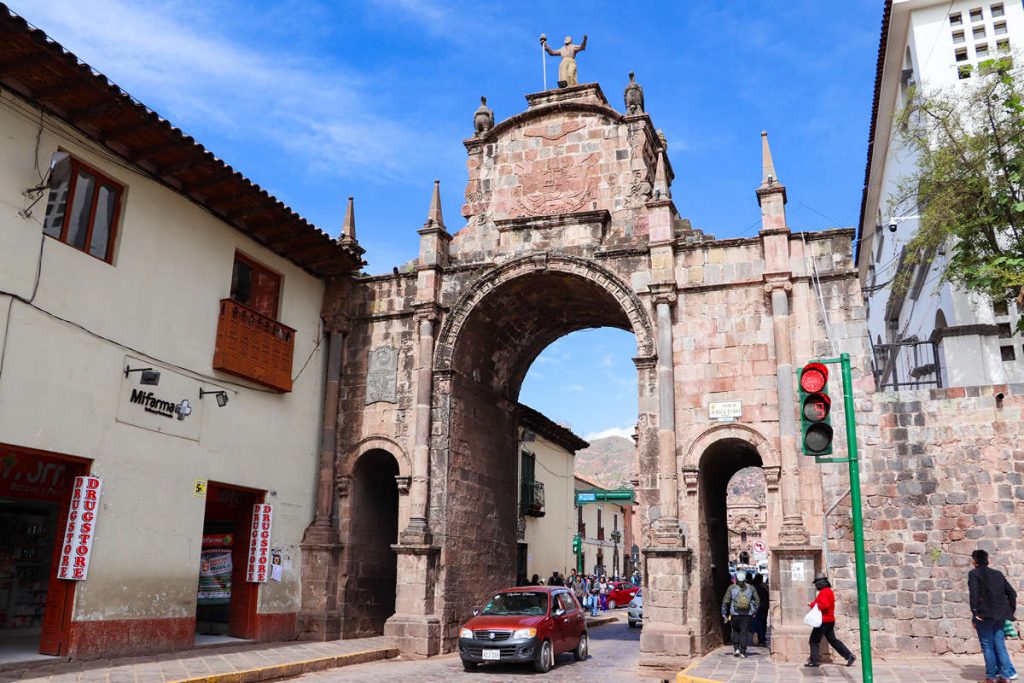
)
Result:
{"points": [[1009, 630], [813, 617]]}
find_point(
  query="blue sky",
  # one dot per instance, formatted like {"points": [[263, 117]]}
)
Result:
{"points": [[317, 101]]}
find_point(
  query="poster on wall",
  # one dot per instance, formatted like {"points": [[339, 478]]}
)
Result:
{"points": [[76, 548], [258, 569]]}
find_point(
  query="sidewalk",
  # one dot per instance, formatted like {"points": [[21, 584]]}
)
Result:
{"points": [[721, 666], [231, 664]]}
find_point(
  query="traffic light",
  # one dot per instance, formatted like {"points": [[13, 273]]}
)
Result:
{"points": [[577, 545], [815, 410]]}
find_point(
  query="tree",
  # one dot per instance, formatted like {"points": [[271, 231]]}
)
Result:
{"points": [[967, 186]]}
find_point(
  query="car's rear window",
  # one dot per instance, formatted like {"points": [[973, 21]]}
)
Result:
{"points": [[531, 603]]}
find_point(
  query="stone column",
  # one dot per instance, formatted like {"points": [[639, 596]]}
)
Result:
{"points": [[793, 531], [667, 490], [417, 532], [319, 618]]}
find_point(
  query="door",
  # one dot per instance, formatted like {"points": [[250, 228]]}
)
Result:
{"points": [[567, 624]]}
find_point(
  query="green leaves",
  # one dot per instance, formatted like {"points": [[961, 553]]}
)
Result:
{"points": [[968, 146]]}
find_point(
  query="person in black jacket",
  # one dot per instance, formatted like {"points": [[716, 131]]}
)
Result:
{"points": [[993, 601]]}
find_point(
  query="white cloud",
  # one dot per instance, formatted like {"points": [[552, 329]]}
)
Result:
{"points": [[576, 388], [176, 57], [624, 432]]}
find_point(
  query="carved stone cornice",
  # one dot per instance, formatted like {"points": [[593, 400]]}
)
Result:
{"points": [[691, 476], [773, 281], [426, 311], [343, 485], [772, 475], [663, 292], [403, 483], [337, 323], [646, 362]]}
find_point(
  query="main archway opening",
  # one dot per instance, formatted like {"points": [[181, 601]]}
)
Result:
{"points": [[498, 341], [719, 466], [372, 566]]}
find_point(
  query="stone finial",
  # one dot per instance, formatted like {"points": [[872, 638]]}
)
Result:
{"points": [[483, 118], [768, 177], [434, 217], [661, 188], [770, 184], [662, 139], [634, 96], [348, 228]]}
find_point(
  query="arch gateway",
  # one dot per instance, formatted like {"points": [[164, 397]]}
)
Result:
{"points": [[570, 224]]}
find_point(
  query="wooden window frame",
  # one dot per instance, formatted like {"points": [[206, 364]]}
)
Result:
{"points": [[255, 264], [78, 165]]}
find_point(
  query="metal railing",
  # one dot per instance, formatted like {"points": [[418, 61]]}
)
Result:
{"points": [[531, 498], [907, 365]]}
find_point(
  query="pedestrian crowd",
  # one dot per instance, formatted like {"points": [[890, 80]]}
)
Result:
{"points": [[591, 590], [993, 604]]}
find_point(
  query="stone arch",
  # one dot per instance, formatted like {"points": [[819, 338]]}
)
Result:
{"points": [[513, 122], [732, 430], [542, 262], [375, 443]]}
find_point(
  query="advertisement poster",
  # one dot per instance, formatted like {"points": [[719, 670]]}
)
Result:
{"points": [[215, 577]]}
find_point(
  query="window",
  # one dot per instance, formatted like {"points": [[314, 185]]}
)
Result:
{"points": [[956, 19], [997, 10], [1007, 353], [976, 14], [743, 537], [999, 28], [1003, 45], [958, 37], [964, 71], [981, 50], [600, 526], [961, 54], [581, 526], [1005, 331], [978, 32], [83, 207], [1000, 308], [256, 286]]}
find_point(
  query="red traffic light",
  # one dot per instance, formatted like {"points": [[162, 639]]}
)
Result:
{"points": [[813, 378]]}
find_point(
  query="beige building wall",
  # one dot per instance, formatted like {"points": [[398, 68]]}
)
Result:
{"points": [[61, 388], [549, 538]]}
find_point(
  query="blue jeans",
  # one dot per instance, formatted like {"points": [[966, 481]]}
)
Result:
{"points": [[993, 647]]}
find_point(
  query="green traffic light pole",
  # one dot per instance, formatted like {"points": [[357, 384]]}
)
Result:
{"points": [[858, 518]]}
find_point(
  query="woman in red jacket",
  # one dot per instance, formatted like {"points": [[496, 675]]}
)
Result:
{"points": [[826, 602]]}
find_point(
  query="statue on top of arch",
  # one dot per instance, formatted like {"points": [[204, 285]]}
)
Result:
{"points": [[567, 67]]}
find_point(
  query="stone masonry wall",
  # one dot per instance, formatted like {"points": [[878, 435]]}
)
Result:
{"points": [[942, 474]]}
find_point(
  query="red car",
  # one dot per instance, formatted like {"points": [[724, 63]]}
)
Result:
{"points": [[526, 624], [620, 593]]}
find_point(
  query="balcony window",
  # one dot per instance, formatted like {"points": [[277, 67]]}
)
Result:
{"points": [[256, 286], [83, 207], [531, 491], [250, 341]]}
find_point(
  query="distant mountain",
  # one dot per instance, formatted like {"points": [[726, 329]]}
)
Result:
{"points": [[748, 482], [608, 461]]}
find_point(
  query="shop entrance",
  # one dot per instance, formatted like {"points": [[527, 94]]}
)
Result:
{"points": [[226, 602], [35, 606]]}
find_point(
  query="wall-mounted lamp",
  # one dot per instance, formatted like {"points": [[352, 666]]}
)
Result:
{"points": [[222, 396], [149, 376]]}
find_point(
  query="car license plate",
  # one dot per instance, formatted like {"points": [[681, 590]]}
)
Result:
{"points": [[492, 655]]}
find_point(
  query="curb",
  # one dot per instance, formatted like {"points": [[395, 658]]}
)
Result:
{"points": [[288, 669], [683, 677], [600, 621]]}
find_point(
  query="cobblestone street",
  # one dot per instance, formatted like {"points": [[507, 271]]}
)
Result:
{"points": [[614, 654]]}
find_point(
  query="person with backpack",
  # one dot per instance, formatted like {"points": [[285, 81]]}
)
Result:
{"points": [[993, 602], [738, 606], [760, 623]]}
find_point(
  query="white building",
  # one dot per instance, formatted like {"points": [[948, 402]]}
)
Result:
{"points": [[160, 332], [547, 453], [929, 333]]}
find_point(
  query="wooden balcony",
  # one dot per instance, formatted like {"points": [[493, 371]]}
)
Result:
{"points": [[254, 346]]}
